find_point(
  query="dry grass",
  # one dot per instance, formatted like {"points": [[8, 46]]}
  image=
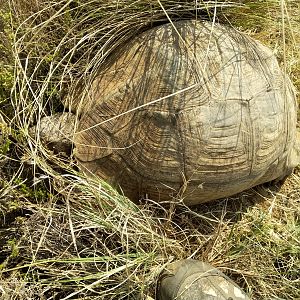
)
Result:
{"points": [[64, 236]]}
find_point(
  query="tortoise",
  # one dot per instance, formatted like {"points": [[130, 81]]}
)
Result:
{"points": [[190, 111]]}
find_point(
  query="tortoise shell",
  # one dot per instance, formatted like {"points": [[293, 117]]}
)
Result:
{"points": [[190, 110]]}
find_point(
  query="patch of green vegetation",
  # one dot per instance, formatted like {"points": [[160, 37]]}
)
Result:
{"points": [[34, 193], [5, 144], [6, 62], [6, 81], [14, 248]]}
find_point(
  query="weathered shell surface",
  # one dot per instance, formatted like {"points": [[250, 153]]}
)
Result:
{"points": [[193, 111]]}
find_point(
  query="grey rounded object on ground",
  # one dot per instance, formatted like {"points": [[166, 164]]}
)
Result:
{"points": [[188, 110], [195, 280]]}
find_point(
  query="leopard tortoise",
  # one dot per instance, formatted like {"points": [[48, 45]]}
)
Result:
{"points": [[189, 110]]}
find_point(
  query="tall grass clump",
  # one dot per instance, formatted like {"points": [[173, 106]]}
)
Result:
{"points": [[65, 236]]}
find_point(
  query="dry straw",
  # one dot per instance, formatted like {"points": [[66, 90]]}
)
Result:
{"points": [[65, 236]]}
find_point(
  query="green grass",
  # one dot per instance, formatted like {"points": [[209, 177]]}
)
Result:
{"points": [[64, 236]]}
